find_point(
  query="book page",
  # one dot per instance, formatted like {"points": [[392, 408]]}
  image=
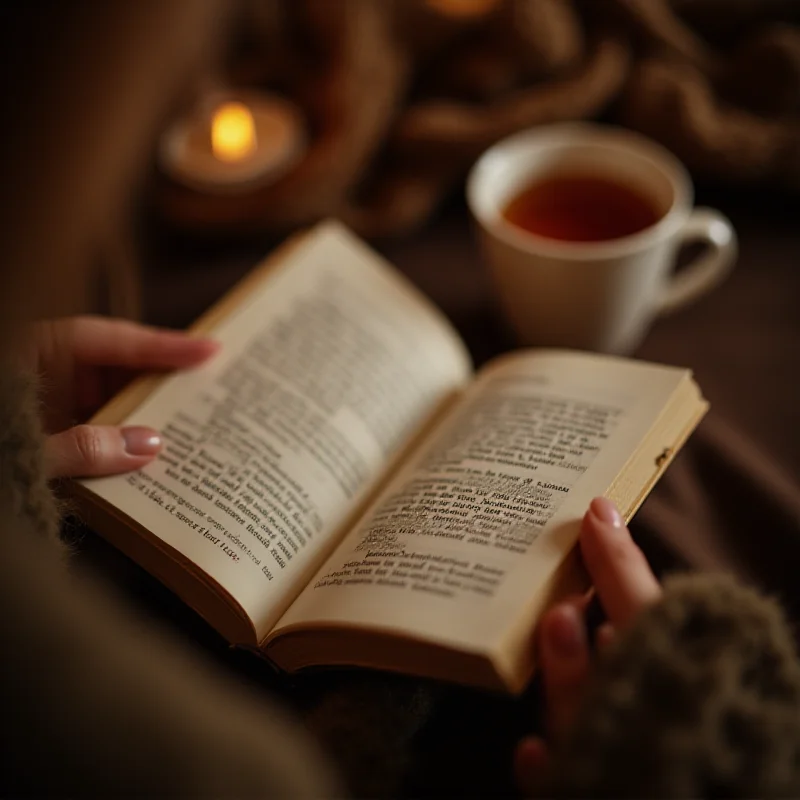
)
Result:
{"points": [[489, 507], [329, 367]]}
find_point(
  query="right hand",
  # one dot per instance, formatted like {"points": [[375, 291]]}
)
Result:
{"points": [[625, 585]]}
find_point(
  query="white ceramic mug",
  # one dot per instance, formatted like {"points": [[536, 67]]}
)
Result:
{"points": [[594, 295]]}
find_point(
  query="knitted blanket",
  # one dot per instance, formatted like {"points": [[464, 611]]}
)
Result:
{"points": [[401, 96]]}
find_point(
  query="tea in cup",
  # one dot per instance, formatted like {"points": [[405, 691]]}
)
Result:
{"points": [[581, 226]]}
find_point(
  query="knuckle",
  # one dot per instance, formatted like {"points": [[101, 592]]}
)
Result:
{"points": [[88, 445]]}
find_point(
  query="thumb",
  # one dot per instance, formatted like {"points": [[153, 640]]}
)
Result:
{"points": [[93, 450]]}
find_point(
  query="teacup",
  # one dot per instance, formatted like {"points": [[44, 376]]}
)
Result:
{"points": [[594, 295]]}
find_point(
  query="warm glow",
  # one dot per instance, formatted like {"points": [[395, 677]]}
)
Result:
{"points": [[463, 8], [233, 132]]}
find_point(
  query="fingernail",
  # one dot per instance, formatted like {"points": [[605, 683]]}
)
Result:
{"points": [[566, 634], [606, 511], [141, 441]]}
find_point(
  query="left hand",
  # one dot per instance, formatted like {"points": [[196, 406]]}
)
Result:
{"points": [[625, 585], [82, 362]]}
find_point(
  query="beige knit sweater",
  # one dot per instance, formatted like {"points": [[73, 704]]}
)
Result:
{"points": [[701, 698]]}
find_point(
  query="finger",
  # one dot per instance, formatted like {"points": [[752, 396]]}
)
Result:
{"points": [[605, 636], [119, 343], [564, 655], [580, 601], [93, 450], [619, 571], [531, 760]]}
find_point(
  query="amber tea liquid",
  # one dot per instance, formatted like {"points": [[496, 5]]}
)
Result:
{"points": [[576, 208]]}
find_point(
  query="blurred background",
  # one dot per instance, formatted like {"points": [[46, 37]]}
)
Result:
{"points": [[387, 102], [374, 110]]}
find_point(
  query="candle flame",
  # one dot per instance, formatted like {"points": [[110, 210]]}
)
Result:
{"points": [[233, 132]]}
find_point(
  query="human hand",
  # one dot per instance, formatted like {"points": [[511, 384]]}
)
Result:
{"points": [[625, 584], [82, 363]]}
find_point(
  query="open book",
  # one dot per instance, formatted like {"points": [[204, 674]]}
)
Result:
{"points": [[338, 488]]}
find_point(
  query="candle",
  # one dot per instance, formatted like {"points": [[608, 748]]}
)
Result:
{"points": [[233, 142]]}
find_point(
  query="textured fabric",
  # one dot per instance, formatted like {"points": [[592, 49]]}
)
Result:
{"points": [[370, 723], [94, 702], [24, 494], [701, 698]]}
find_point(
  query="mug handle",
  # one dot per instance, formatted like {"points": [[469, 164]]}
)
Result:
{"points": [[708, 269]]}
